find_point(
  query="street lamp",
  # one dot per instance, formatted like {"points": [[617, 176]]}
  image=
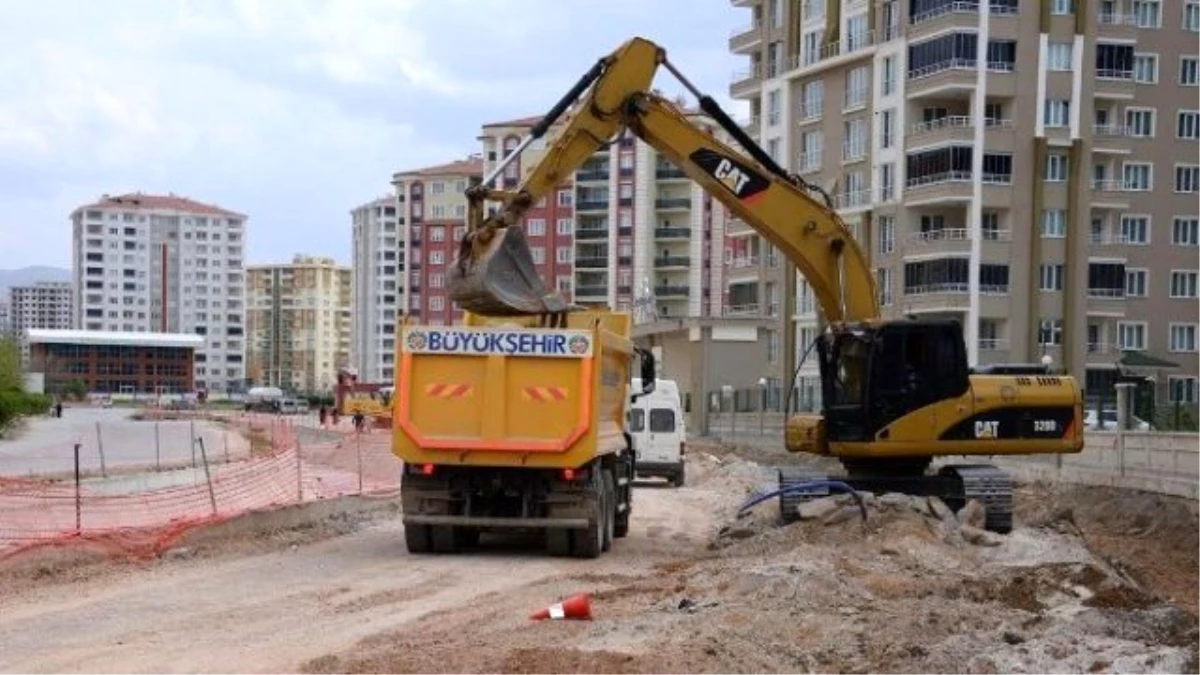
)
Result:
{"points": [[1047, 360], [762, 403]]}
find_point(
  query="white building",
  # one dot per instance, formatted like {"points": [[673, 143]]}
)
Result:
{"points": [[43, 304], [375, 289], [164, 263]]}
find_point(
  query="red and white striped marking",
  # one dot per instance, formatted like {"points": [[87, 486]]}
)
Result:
{"points": [[449, 390], [545, 394]]}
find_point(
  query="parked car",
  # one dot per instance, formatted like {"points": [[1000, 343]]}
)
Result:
{"points": [[1092, 422]]}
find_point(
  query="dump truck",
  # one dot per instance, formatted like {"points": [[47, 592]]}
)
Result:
{"points": [[509, 424]]}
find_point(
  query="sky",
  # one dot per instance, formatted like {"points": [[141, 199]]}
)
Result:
{"points": [[291, 111]]}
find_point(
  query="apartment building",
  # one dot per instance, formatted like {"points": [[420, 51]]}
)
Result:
{"points": [[165, 264], [627, 230], [378, 280], [1029, 168], [44, 305], [298, 324]]}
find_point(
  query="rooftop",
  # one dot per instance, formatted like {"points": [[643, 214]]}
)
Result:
{"points": [[471, 166], [300, 260], [113, 338], [170, 202], [520, 122]]}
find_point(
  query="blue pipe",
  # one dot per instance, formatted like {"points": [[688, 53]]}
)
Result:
{"points": [[800, 487]]}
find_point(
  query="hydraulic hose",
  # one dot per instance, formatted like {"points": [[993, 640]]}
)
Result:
{"points": [[802, 487]]}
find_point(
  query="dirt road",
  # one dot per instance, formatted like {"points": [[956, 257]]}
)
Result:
{"points": [[277, 609], [1075, 588]]}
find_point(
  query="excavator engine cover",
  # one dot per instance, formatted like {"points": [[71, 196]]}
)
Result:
{"points": [[501, 279]]}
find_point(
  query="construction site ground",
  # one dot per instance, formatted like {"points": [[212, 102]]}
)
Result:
{"points": [[1090, 580]]}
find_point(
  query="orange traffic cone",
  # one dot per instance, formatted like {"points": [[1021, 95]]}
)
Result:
{"points": [[574, 607]]}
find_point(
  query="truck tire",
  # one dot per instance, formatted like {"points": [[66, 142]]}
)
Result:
{"points": [[589, 542], [445, 538], [558, 541], [417, 538], [610, 508], [624, 497]]}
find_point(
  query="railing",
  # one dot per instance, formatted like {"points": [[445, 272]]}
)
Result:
{"points": [[943, 234], [743, 262], [742, 30], [853, 150], [810, 161], [672, 261], [1107, 293], [590, 291], [936, 178], [672, 232], [1116, 19], [1114, 74], [1001, 66], [851, 200], [808, 112], [996, 178], [993, 289], [667, 291], [742, 310], [929, 289], [993, 344], [1108, 185], [591, 205], [853, 42], [948, 64], [751, 73], [1108, 239], [1110, 130], [669, 172], [855, 97], [950, 121], [591, 262], [672, 203], [592, 174], [589, 233], [948, 8], [1100, 348]]}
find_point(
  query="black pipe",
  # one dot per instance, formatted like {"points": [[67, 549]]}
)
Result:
{"points": [[584, 82], [709, 105]]}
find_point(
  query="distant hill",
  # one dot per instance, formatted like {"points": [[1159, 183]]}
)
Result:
{"points": [[29, 275]]}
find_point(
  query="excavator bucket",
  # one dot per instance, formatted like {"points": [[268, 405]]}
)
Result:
{"points": [[499, 278]]}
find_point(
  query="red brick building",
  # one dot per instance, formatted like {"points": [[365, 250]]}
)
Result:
{"points": [[115, 363]]}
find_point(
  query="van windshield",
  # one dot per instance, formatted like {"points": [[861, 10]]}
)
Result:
{"points": [[637, 419], [662, 420]]}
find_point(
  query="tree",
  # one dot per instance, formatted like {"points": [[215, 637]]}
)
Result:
{"points": [[11, 377]]}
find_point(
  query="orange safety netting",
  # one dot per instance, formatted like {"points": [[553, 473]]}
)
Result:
{"points": [[132, 520]]}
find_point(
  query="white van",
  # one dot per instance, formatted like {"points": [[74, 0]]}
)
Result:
{"points": [[656, 424]]}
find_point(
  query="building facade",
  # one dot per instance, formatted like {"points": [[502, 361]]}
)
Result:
{"points": [[1029, 168], [43, 304], [297, 324], [627, 230], [168, 264], [115, 362], [377, 286]]}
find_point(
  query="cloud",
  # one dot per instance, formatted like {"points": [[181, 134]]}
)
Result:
{"points": [[293, 112]]}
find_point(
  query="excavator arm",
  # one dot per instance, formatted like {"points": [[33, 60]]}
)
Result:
{"points": [[495, 274]]}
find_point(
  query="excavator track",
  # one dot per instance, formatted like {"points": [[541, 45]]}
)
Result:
{"points": [[953, 484]]}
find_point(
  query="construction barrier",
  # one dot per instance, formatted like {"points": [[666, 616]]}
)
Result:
{"points": [[132, 511]]}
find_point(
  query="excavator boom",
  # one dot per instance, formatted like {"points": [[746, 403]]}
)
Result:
{"points": [[495, 275]]}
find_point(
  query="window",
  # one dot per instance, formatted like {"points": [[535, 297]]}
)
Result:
{"points": [[1131, 335], [811, 49], [1145, 68], [1058, 56], [773, 148], [1187, 125], [887, 182], [858, 86], [437, 280], [1056, 167], [810, 150], [1054, 223], [435, 258], [1185, 231], [437, 303], [773, 112], [565, 226], [437, 188], [889, 76], [857, 34], [1057, 113], [887, 128], [1191, 16], [1187, 178], [538, 254], [563, 254], [887, 234], [814, 100], [1182, 389], [1136, 282], [1138, 176], [1135, 229], [1183, 284], [1147, 13], [1189, 70], [856, 139], [1062, 6], [438, 211], [1114, 61], [535, 227], [437, 233], [565, 198], [1050, 332], [883, 278], [1052, 277], [1182, 337], [1140, 122]]}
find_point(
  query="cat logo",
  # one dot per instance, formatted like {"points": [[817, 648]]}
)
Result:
{"points": [[743, 181], [731, 176], [987, 429]]}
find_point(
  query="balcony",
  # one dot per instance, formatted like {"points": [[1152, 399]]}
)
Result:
{"points": [[947, 186], [935, 297], [1116, 84], [597, 174], [591, 205], [945, 240], [590, 233], [594, 262], [745, 38], [742, 310], [745, 82], [1100, 349], [1109, 194], [853, 151], [1116, 25], [810, 161], [673, 203], [1111, 138], [672, 233], [744, 262], [857, 199], [993, 345], [952, 128], [671, 291], [849, 48], [937, 78], [672, 262], [600, 291], [669, 173], [1107, 239], [948, 17]]}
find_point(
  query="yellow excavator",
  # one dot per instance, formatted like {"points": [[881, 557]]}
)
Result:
{"points": [[896, 393]]}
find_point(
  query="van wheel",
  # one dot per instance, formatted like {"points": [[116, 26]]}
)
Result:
{"points": [[680, 477]]}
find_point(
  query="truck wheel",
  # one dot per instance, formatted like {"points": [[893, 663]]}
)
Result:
{"points": [[589, 542], [558, 541], [610, 509], [445, 539], [417, 538]]}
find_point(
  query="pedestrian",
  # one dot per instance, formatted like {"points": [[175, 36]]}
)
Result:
{"points": [[322, 413], [58, 409], [337, 417], [358, 421]]}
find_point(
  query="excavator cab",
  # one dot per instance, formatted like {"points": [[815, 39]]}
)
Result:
{"points": [[875, 374]]}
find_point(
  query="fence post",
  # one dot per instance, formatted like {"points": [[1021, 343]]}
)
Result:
{"points": [[1122, 420], [157, 449], [100, 449], [78, 495], [212, 496], [226, 434], [360, 465], [192, 434], [299, 474]]}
